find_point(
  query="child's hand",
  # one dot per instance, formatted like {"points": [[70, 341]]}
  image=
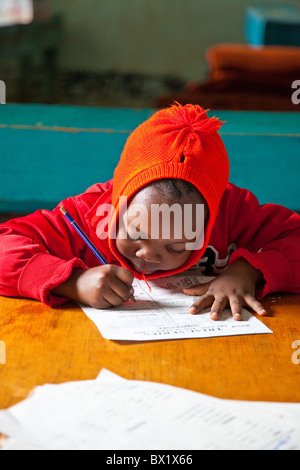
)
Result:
{"points": [[101, 287], [236, 287]]}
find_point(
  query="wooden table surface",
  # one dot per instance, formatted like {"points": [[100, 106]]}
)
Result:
{"points": [[45, 345]]}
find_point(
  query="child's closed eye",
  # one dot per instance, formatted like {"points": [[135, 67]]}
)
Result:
{"points": [[136, 237], [178, 252]]}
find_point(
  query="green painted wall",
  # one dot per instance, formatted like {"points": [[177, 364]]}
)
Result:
{"points": [[51, 152], [148, 36]]}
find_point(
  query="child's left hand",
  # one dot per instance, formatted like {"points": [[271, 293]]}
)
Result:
{"points": [[236, 287]]}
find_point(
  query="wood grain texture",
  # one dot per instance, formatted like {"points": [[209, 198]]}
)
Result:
{"points": [[45, 345]]}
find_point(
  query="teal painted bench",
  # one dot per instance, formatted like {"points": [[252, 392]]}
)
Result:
{"points": [[51, 152]]}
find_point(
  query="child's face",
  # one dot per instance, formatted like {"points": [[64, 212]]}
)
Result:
{"points": [[160, 243]]}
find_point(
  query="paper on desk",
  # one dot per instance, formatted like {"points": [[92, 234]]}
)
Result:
{"points": [[111, 414], [163, 314]]}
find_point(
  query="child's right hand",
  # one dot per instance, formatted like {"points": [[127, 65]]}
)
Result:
{"points": [[101, 287]]}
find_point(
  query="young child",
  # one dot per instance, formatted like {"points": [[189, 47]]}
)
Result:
{"points": [[175, 157]]}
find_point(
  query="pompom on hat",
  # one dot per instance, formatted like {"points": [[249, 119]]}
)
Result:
{"points": [[176, 142]]}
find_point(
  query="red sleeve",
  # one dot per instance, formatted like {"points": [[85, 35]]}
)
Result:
{"points": [[38, 253], [268, 237]]}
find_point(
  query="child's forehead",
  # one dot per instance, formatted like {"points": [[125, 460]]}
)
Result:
{"points": [[147, 194], [153, 194]]}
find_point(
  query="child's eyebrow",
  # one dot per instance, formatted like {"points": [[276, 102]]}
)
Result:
{"points": [[172, 242]]}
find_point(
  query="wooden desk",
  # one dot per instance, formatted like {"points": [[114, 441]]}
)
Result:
{"points": [[45, 345]]}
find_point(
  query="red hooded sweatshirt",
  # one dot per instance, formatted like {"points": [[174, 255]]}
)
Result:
{"points": [[39, 251]]}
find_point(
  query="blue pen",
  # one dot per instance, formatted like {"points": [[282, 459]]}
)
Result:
{"points": [[85, 238]]}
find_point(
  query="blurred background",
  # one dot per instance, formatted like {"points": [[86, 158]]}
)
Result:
{"points": [[226, 54]]}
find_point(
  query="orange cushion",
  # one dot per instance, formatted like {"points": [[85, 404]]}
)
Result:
{"points": [[237, 67], [239, 58]]}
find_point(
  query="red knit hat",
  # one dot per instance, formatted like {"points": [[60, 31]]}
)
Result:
{"points": [[177, 142]]}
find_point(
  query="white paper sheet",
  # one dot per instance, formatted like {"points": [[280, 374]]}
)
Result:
{"points": [[163, 314], [109, 414]]}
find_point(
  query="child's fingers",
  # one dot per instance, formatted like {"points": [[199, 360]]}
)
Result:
{"points": [[255, 304], [115, 291], [200, 303], [218, 307], [112, 299], [115, 296], [122, 291], [124, 275], [120, 286], [236, 306], [199, 289]]}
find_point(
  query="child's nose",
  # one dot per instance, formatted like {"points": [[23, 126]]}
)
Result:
{"points": [[148, 254]]}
